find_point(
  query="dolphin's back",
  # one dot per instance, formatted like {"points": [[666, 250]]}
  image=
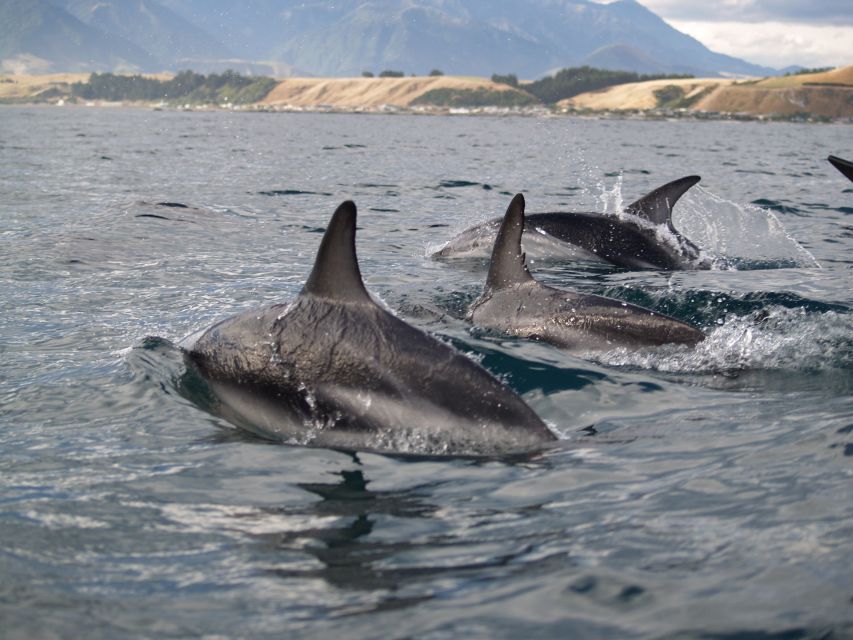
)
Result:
{"points": [[514, 302], [576, 322], [644, 239], [608, 237], [354, 376], [334, 369]]}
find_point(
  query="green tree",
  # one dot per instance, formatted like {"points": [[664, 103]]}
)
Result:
{"points": [[510, 78]]}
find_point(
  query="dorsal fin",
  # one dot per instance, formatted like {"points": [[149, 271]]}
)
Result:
{"points": [[657, 206], [507, 266], [336, 274], [844, 166]]}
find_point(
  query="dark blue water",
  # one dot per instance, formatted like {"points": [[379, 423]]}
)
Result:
{"points": [[698, 494]]}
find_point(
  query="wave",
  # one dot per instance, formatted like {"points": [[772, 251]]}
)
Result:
{"points": [[777, 338]]}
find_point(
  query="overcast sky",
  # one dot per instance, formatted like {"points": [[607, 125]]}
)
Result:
{"points": [[776, 33]]}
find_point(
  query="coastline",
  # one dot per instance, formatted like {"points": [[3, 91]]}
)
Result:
{"points": [[492, 112], [811, 98]]}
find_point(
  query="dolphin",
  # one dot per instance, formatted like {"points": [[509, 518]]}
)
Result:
{"points": [[332, 368], [844, 166], [513, 302], [645, 239]]}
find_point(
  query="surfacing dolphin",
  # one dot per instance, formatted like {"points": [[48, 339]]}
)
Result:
{"points": [[648, 241], [844, 166], [514, 303], [334, 369]]}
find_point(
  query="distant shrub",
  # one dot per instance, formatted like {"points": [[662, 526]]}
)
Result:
{"points": [[510, 78], [688, 102], [802, 72], [673, 97], [668, 96], [436, 72], [254, 92], [367, 74], [391, 74]]}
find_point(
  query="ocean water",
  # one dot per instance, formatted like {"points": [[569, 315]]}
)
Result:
{"points": [[695, 494]]}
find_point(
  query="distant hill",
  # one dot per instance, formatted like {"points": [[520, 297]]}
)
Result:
{"points": [[370, 93], [344, 38], [827, 94]]}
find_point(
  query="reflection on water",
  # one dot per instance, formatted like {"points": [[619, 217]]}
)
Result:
{"points": [[349, 557]]}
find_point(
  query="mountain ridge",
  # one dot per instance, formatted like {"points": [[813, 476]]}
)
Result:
{"points": [[460, 37]]}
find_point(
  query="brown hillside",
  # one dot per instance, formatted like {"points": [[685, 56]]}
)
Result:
{"points": [[833, 102], [639, 95], [18, 87], [841, 75], [828, 94], [366, 93]]}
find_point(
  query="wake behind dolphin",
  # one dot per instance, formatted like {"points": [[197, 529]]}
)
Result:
{"points": [[648, 241], [514, 303], [334, 369]]}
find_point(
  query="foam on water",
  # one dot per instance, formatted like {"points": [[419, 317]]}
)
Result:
{"points": [[778, 338]]}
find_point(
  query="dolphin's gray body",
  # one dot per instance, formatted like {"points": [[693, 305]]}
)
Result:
{"points": [[649, 241], [844, 166], [334, 369], [514, 303]]}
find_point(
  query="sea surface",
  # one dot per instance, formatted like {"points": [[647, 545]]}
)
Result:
{"points": [[695, 494]]}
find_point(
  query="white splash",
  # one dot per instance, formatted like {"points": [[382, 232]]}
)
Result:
{"points": [[737, 231], [780, 339]]}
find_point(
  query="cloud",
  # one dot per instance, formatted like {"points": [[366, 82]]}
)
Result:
{"points": [[775, 33], [775, 44], [828, 12]]}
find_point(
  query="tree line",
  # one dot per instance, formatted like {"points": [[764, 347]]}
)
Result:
{"points": [[186, 86]]}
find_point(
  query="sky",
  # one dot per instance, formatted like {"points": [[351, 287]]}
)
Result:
{"points": [[775, 33]]}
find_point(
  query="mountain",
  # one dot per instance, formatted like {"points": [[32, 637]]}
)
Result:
{"points": [[344, 38], [476, 37], [35, 36], [168, 37], [624, 57]]}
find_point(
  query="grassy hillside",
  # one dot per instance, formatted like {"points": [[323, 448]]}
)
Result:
{"points": [[646, 95], [841, 76], [824, 95], [371, 93], [828, 94], [20, 88]]}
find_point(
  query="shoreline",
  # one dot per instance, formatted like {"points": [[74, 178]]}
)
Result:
{"points": [[654, 115]]}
